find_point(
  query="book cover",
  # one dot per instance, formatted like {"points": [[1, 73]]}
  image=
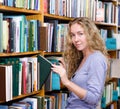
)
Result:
{"points": [[5, 83], [45, 69], [55, 79], [114, 68], [44, 38]]}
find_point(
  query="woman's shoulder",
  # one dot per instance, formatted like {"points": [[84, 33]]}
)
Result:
{"points": [[98, 55], [98, 58]]}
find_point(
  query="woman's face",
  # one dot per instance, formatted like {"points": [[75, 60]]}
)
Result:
{"points": [[78, 37]]}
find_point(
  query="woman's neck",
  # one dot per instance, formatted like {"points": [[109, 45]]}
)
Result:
{"points": [[87, 52]]}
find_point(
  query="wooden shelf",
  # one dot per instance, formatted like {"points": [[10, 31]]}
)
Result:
{"points": [[19, 54], [105, 24], [22, 96], [53, 53], [18, 10], [57, 17], [113, 1]]}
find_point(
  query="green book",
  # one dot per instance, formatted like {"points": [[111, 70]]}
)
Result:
{"points": [[44, 68]]}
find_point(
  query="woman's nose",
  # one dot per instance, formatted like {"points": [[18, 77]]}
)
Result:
{"points": [[76, 38]]}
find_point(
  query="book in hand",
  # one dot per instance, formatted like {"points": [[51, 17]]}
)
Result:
{"points": [[44, 68], [53, 81]]}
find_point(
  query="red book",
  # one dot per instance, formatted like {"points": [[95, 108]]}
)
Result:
{"points": [[45, 6]]}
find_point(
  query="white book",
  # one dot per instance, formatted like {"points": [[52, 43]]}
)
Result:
{"points": [[8, 82], [115, 68], [5, 35], [1, 1]]}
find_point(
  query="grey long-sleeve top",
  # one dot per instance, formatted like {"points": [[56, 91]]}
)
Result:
{"points": [[91, 76]]}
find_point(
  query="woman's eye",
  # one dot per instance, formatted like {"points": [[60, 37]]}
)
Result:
{"points": [[72, 35], [80, 34]]}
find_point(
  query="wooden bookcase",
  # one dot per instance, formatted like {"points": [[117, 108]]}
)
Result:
{"points": [[104, 25], [30, 14]]}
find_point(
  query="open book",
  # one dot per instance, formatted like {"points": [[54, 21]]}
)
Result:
{"points": [[44, 68]]}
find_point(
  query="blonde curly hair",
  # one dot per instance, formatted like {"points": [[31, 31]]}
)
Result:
{"points": [[72, 56]]}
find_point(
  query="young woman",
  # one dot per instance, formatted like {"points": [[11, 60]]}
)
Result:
{"points": [[85, 68]]}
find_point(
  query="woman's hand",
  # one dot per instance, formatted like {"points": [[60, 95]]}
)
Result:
{"points": [[59, 69]]}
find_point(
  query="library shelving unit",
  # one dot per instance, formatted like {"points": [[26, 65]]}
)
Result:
{"points": [[29, 14], [106, 25]]}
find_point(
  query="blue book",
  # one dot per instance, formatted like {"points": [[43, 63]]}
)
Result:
{"points": [[28, 101], [111, 43], [55, 77], [10, 3], [55, 81], [3, 107]]}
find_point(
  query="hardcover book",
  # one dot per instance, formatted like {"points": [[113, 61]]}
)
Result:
{"points": [[44, 68]]}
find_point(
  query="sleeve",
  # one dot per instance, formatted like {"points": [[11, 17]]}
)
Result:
{"points": [[96, 80]]}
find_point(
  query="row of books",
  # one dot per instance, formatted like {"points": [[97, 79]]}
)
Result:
{"points": [[106, 33], [95, 9], [54, 35], [18, 34], [110, 94], [22, 35], [114, 93], [27, 4], [34, 102], [111, 39], [27, 74], [56, 100], [22, 75], [106, 12], [70, 8]]}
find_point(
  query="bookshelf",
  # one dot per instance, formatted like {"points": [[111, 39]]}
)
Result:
{"points": [[103, 24], [30, 14]]}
